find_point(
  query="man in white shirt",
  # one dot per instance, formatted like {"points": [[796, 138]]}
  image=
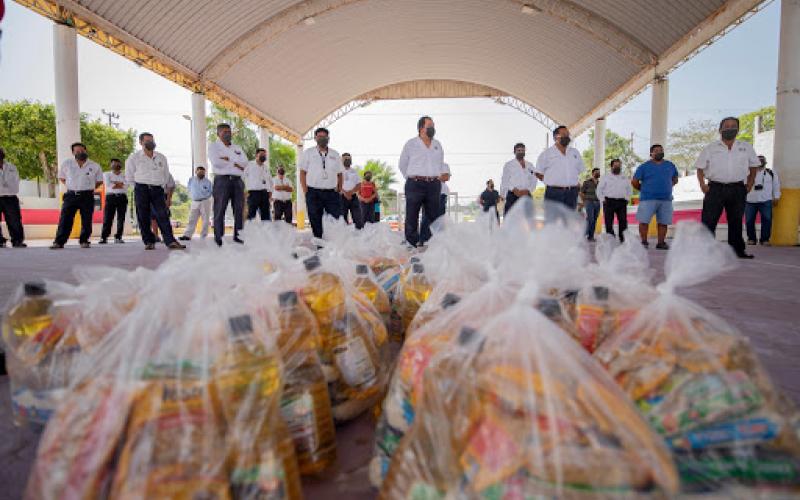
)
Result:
{"points": [[518, 178], [351, 207], [258, 181], [229, 162], [321, 181], [116, 202], [559, 167], [425, 225], [729, 166], [421, 163], [81, 177], [614, 191], [766, 192], [200, 189], [9, 203], [148, 170], [282, 197]]}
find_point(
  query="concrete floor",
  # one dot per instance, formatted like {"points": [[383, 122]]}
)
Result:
{"points": [[760, 298]]}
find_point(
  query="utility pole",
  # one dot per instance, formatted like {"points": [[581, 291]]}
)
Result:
{"points": [[111, 116]]}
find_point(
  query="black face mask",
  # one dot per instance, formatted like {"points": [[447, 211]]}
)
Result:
{"points": [[564, 141], [347, 163], [149, 145], [658, 156], [200, 176], [262, 158], [281, 172], [729, 134], [82, 156], [226, 136], [616, 170], [323, 142], [520, 156], [368, 178], [430, 132]]}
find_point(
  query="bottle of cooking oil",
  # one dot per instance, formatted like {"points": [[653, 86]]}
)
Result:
{"points": [[305, 404], [29, 323], [415, 292], [325, 296], [358, 363], [372, 291]]}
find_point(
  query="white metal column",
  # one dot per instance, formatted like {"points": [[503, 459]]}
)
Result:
{"points": [[65, 61], [199, 131], [787, 127], [263, 140], [659, 112], [301, 197], [599, 144]]}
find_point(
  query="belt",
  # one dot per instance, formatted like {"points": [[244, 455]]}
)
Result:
{"points": [[82, 191], [227, 176], [419, 178], [331, 190], [740, 183], [563, 188], [116, 194], [616, 199], [204, 199]]}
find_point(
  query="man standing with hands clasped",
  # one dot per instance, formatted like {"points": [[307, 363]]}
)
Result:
{"points": [[559, 167], [615, 191], [730, 167], [81, 176], [259, 186], [229, 162], [321, 181], [350, 183], [116, 202]]}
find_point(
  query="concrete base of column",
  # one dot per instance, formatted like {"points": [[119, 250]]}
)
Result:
{"points": [[786, 218]]}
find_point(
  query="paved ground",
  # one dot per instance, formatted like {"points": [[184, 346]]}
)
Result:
{"points": [[760, 298]]}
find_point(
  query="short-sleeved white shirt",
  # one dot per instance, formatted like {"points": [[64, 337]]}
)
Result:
{"points": [[143, 169], [515, 176], [109, 178], [720, 164], [321, 168], [350, 179], [9, 179], [281, 195], [235, 156], [80, 178], [560, 170], [257, 177], [419, 160]]}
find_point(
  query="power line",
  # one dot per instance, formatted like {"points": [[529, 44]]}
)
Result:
{"points": [[111, 116]]}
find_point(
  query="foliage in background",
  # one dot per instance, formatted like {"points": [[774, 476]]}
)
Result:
{"points": [[616, 147], [383, 176], [685, 144], [747, 123], [243, 133], [29, 139]]}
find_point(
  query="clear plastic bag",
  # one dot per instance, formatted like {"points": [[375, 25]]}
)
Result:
{"points": [[515, 409], [698, 383], [413, 289]]}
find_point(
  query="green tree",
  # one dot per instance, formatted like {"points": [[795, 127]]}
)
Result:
{"points": [[685, 144], [29, 139], [383, 176], [616, 147], [283, 155], [747, 122], [243, 131]]}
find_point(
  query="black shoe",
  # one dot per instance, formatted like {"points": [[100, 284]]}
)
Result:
{"points": [[751, 242], [85, 244], [185, 238], [159, 240], [745, 255], [766, 244], [19, 245], [218, 242], [119, 241], [645, 243], [56, 246], [150, 246], [176, 246], [237, 240], [103, 241], [591, 239], [662, 246], [2, 244]]}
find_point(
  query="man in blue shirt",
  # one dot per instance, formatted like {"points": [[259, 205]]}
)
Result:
{"points": [[200, 190], [654, 180]]}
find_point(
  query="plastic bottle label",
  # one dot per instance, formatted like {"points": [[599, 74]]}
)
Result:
{"points": [[354, 363], [298, 413]]}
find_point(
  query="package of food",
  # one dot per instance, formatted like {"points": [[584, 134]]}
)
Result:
{"points": [[698, 383], [366, 283], [515, 409]]}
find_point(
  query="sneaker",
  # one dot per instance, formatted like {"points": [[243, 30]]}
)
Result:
{"points": [[56, 246], [185, 238], [645, 243], [150, 246], [119, 241], [752, 242], [662, 246], [103, 241], [176, 246], [85, 244], [20, 245]]}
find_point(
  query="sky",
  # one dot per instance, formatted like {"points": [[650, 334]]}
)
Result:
{"points": [[735, 75]]}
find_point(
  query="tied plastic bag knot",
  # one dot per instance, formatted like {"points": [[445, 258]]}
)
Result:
{"points": [[666, 288], [696, 256]]}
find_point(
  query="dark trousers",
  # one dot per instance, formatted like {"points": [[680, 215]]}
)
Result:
{"points": [[228, 189], [555, 195], [731, 198], [319, 201], [592, 212], [150, 201], [425, 228], [258, 201], [618, 207], [367, 212], [511, 198], [351, 210], [116, 205], [283, 210], [9, 209], [73, 202], [765, 209]]}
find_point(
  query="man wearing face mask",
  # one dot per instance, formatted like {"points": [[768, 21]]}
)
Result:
{"points": [[321, 180], [615, 191], [518, 178], [765, 194], [258, 180], [654, 179], [116, 202], [81, 176], [9, 203], [489, 198], [422, 164], [367, 194], [589, 198], [726, 170], [559, 167], [200, 190], [229, 162], [282, 196], [148, 170], [350, 183]]}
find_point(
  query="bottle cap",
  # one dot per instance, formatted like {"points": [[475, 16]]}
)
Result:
{"points": [[362, 269], [600, 292], [35, 288], [450, 300], [312, 263], [287, 299], [417, 268]]}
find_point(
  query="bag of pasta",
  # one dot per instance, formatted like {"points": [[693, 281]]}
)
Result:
{"points": [[698, 383], [517, 410]]}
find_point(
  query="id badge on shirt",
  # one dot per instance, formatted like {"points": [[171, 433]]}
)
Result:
{"points": [[324, 174]]}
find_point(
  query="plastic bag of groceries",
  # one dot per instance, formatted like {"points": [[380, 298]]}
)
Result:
{"points": [[355, 350], [174, 406], [699, 384], [515, 409], [42, 350], [611, 293], [413, 289]]}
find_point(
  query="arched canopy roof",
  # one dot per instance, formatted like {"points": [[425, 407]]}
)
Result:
{"points": [[287, 64]]}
